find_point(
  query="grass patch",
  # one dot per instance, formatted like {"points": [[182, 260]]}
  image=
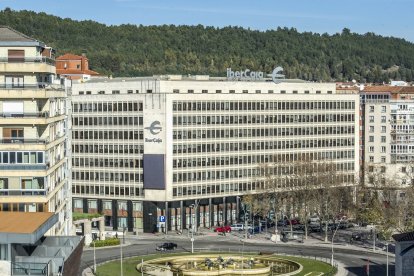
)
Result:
{"points": [[78, 216], [129, 265], [311, 266]]}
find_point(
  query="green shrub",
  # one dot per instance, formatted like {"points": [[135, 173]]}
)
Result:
{"points": [[107, 242]]}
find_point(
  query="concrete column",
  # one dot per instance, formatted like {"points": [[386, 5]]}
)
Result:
{"points": [[176, 217], [101, 226], [225, 211], [237, 208], [167, 218], [210, 213], [183, 215], [87, 232]]}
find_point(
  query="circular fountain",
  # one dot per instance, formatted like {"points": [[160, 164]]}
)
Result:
{"points": [[219, 264]]}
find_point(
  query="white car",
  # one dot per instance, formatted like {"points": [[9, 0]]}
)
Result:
{"points": [[237, 227]]}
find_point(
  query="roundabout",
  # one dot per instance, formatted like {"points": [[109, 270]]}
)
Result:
{"points": [[220, 264]]}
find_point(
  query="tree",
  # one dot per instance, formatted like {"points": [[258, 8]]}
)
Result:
{"points": [[306, 182]]}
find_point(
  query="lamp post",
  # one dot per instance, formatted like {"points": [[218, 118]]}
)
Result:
{"points": [[193, 207], [333, 236], [94, 259], [122, 270], [386, 244]]}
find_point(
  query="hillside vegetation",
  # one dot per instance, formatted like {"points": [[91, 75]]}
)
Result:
{"points": [[131, 50]]}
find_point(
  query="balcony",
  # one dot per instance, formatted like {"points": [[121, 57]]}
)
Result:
{"points": [[27, 118], [32, 91], [27, 64], [13, 143], [23, 167]]}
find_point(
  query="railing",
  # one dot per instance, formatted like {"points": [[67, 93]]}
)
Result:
{"points": [[22, 192], [18, 140], [33, 86], [25, 115], [25, 268], [20, 59], [15, 167]]}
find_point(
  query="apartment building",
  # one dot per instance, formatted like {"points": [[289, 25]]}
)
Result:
{"points": [[388, 116], [33, 131], [164, 152]]}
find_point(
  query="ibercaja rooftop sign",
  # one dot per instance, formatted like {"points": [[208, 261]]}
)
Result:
{"points": [[255, 75]]}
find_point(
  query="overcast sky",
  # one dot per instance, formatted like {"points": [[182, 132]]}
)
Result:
{"points": [[384, 17]]}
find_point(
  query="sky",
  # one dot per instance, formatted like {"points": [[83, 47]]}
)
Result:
{"points": [[383, 17]]}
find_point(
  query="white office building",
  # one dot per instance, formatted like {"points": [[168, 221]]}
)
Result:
{"points": [[161, 153]]}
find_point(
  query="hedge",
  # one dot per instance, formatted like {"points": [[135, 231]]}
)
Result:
{"points": [[107, 242]]}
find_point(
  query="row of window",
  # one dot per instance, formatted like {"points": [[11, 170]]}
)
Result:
{"points": [[239, 187], [111, 120], [22, 157], [383, 129], [107, 162], [107, 191], [108, 135], [261, 119], [110, 106], [233, 174], [383, 108], [107, 205], [107, 176], [102, 92], [262, 105], [250, 159], [108, 149], [290, 144], [282, 131]]}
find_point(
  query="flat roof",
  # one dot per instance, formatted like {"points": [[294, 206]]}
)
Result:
{"points": [[23, 223], [21, 227]]}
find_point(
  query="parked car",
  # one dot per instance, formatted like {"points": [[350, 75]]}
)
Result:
{"points": [[256, 229], [237, 227], [223, 229], [293, 222], [166, 246]]}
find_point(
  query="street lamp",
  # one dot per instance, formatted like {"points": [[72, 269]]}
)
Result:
{"points": [[193, 207]]}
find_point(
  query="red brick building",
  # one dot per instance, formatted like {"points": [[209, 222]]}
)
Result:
{"points": [[74, 67]]}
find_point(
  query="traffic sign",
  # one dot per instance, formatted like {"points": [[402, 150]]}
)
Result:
{"points": [[162, 218]]}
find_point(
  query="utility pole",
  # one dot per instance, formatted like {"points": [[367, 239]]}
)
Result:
{"points": [[333, 236]]}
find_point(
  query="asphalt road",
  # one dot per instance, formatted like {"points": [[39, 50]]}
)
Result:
{"points": [[355, 262]]}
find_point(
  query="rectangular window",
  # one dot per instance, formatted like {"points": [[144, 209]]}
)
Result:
{"points": [[176, 90], [371, 119], [232, 91], [383, 139], [371, 149], [130, 91], [383, 129], [15, 55], [218, 91], [204, 91], [383, 149], [283, 92], [318, 91], [383, 119], [115, 92], [383, 109], [371, 108], [371, 139]]}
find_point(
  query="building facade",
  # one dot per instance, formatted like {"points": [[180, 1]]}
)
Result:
{"points": [[171, 151], [389, 135], [33, 131], [74, 67]]}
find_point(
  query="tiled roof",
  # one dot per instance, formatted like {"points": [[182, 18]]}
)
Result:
{"points": [[76, 72], [381, 88], [407, 89], [69, 57], [409, 236]]}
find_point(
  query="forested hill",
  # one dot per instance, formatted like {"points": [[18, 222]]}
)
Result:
{"points": [[130, 50]]}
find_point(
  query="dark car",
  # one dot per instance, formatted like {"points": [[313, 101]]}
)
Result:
{"points": [[256, 229], [167, 246]]}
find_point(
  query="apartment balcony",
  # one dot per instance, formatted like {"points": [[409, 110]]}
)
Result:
{"points": [[29, 144], [23, 167], [32, 91], [36, 118], [27, 65]]}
